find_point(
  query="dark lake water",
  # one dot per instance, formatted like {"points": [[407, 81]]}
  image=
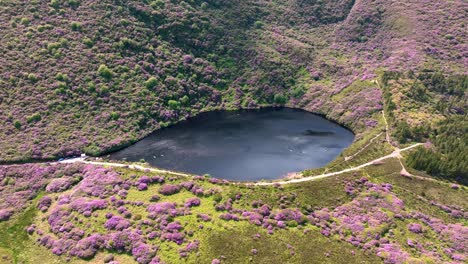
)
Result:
{"points": [[244, 145]]}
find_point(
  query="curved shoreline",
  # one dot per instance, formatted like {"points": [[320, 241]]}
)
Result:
{"points": [[260, 108], [394, 154], [214, 109]]}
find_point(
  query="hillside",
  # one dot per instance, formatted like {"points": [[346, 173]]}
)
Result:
{"points": [[78, 212], [96, 76], [91, 76]]}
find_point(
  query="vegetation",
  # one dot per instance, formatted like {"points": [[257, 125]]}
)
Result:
{"points": [[448, 158], [174, 212], [220, 54], [104, 71], [280, 99], [93, 76], [431, 107]]}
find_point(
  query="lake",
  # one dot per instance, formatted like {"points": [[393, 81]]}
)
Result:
{"points": [[244, 145]]}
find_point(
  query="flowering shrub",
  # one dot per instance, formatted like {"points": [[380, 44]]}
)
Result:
{"points": [[117, 223], [229, 216], [187, 185], [192, 202], [365, 220], [162, 208], [60, 184], [290, 215], [44, 203], [415, 228], [85, 205], [97, 215], [20, 184], [74, 107], [96, 181], [176, 237], [169, 189], [254, 218], [204, 217], [5, 214], [190, 247], [142, 186], [87, 247], [143, 253]]}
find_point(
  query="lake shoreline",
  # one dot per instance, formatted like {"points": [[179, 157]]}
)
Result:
{"points": [[248, 138]]}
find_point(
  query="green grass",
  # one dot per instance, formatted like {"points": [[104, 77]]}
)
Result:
{"points": [[235, 240], [16, 246], [368, 151], [402, 234], [416, 193], [354, 88], [13, 232], [237, 244]]}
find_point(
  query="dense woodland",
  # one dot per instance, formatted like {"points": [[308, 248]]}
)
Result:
{"points": [[445, 95], [448, 158]]}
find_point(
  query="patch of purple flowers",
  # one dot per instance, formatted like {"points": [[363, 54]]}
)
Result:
{"points": [[117, 223], [60, 184], [169, 189], [190, 202], [44, 203], [415, 228]]}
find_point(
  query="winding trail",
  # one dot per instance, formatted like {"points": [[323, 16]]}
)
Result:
{"points": [[387, 136], [395, 154], [363, 148], [403, 172], [387, 131], [122, 165]]}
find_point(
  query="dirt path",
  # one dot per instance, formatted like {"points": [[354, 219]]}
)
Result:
{"points": [[389, 140], [387, 129], [387, 133], [121, 165], [363, 148], [395, 154], [387, 136]]}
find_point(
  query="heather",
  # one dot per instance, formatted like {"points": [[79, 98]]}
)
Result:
{"points": [[20, 184], [357, 218], [430, 107], [94, 76], [155, 63]]}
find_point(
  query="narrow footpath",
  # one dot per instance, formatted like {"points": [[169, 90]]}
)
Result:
{"points": [[395, 154]]}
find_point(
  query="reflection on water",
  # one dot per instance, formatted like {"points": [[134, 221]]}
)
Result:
{"points": [[243, 145]]}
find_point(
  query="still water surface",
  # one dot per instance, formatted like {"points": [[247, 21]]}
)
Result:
{"points": [[243, 145]]}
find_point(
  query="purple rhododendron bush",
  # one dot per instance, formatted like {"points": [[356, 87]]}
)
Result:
{"points": [[93, 76], [375, 219], [107, 215], [20, 184]]}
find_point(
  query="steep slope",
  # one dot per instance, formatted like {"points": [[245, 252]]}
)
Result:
{"points": [[95, 75]]}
